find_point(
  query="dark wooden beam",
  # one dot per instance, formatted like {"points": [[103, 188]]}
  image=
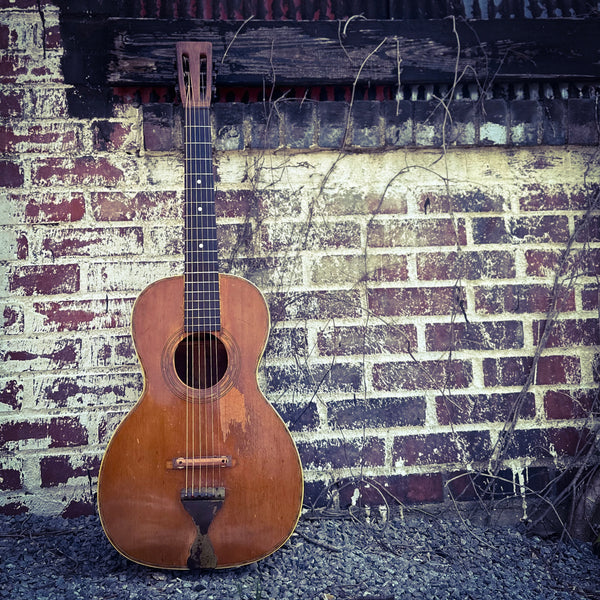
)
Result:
{"points": [[141, 52]]}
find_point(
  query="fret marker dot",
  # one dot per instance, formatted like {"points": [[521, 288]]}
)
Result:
{"points": [[199, 209], [200, 245], [199, 181]]}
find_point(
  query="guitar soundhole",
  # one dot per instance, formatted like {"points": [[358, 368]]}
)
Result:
{"points": [[201, 360]]}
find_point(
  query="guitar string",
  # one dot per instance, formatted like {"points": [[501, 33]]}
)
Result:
{"points": [[203, 182], [192, 292], [207, 274], [186, 328], [203, 290]]}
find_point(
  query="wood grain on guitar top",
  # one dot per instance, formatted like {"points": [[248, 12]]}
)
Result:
{"points": [[139, 490]]}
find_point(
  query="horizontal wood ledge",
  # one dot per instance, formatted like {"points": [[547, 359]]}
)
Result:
{"points": [[125, 52]]}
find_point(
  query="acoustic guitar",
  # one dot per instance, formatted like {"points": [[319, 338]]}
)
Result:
{"points": [[202, 473]]}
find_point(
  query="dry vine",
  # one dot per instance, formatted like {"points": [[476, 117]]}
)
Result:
{"points": [[551, 504]]}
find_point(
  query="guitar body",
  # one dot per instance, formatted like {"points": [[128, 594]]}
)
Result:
{"points": [[201, 516]]}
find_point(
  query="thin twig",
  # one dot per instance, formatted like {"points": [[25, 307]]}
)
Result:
{"points": [[235, 36]]}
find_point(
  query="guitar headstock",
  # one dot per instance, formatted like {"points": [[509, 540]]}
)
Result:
{"points": [[194, 68]]}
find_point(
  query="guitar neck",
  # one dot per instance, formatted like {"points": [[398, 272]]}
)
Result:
{"points": [[201, 302]]}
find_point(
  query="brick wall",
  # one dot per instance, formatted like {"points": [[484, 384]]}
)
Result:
{"points": [[408, 283]]}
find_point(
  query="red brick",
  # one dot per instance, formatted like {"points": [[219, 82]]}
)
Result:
{"points": [[11, 103], [339, 454], [465, 265], [6, 36], [481, 408], [466, 486], [87, 391], [10, 174], [305, 305], [589, 231], [94, 242], [13, 66], [519, 299], [44, 279], [110, 136], [336, 377], [53, 39], [121, 276], [298, 417], [10, 479], [238, 203], [546, 443], [417, 301], [493, 335], [49, 207], [331, 269], [391, 203], [36, 354], [84, 314], [287, 342], [542, 263], [417, 233], [48, 102], [269, 204], [553, 198], [498, 230], [570, 441], [569, 332], [283, 236], [588, 261], [81, 171], [38, 138], [78, 508], [389, 339], [113, 351], [386, 490], [441, 448], [13, 319], [62, 432], [422, 375], [558, 370], [146, 206], [590, 297], [12, 394], [376, 412], [384, 267], [158, 128], [471, 201], [571, 404], [55, 470], [507, 371], [13, 508], [427, 487]]}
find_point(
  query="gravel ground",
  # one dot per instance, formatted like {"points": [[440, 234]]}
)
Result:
{"points": [[326, 559]]}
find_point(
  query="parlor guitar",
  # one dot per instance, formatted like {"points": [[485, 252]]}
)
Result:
{"points": [[202, 473]]}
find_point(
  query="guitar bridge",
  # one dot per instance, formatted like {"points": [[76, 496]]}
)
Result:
{"points": [[208, 461]]}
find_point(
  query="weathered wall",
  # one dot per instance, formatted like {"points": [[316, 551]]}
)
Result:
{"points": [[408, 285]]}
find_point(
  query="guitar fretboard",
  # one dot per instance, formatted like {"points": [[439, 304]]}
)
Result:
{"points": [[201, 302]]}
